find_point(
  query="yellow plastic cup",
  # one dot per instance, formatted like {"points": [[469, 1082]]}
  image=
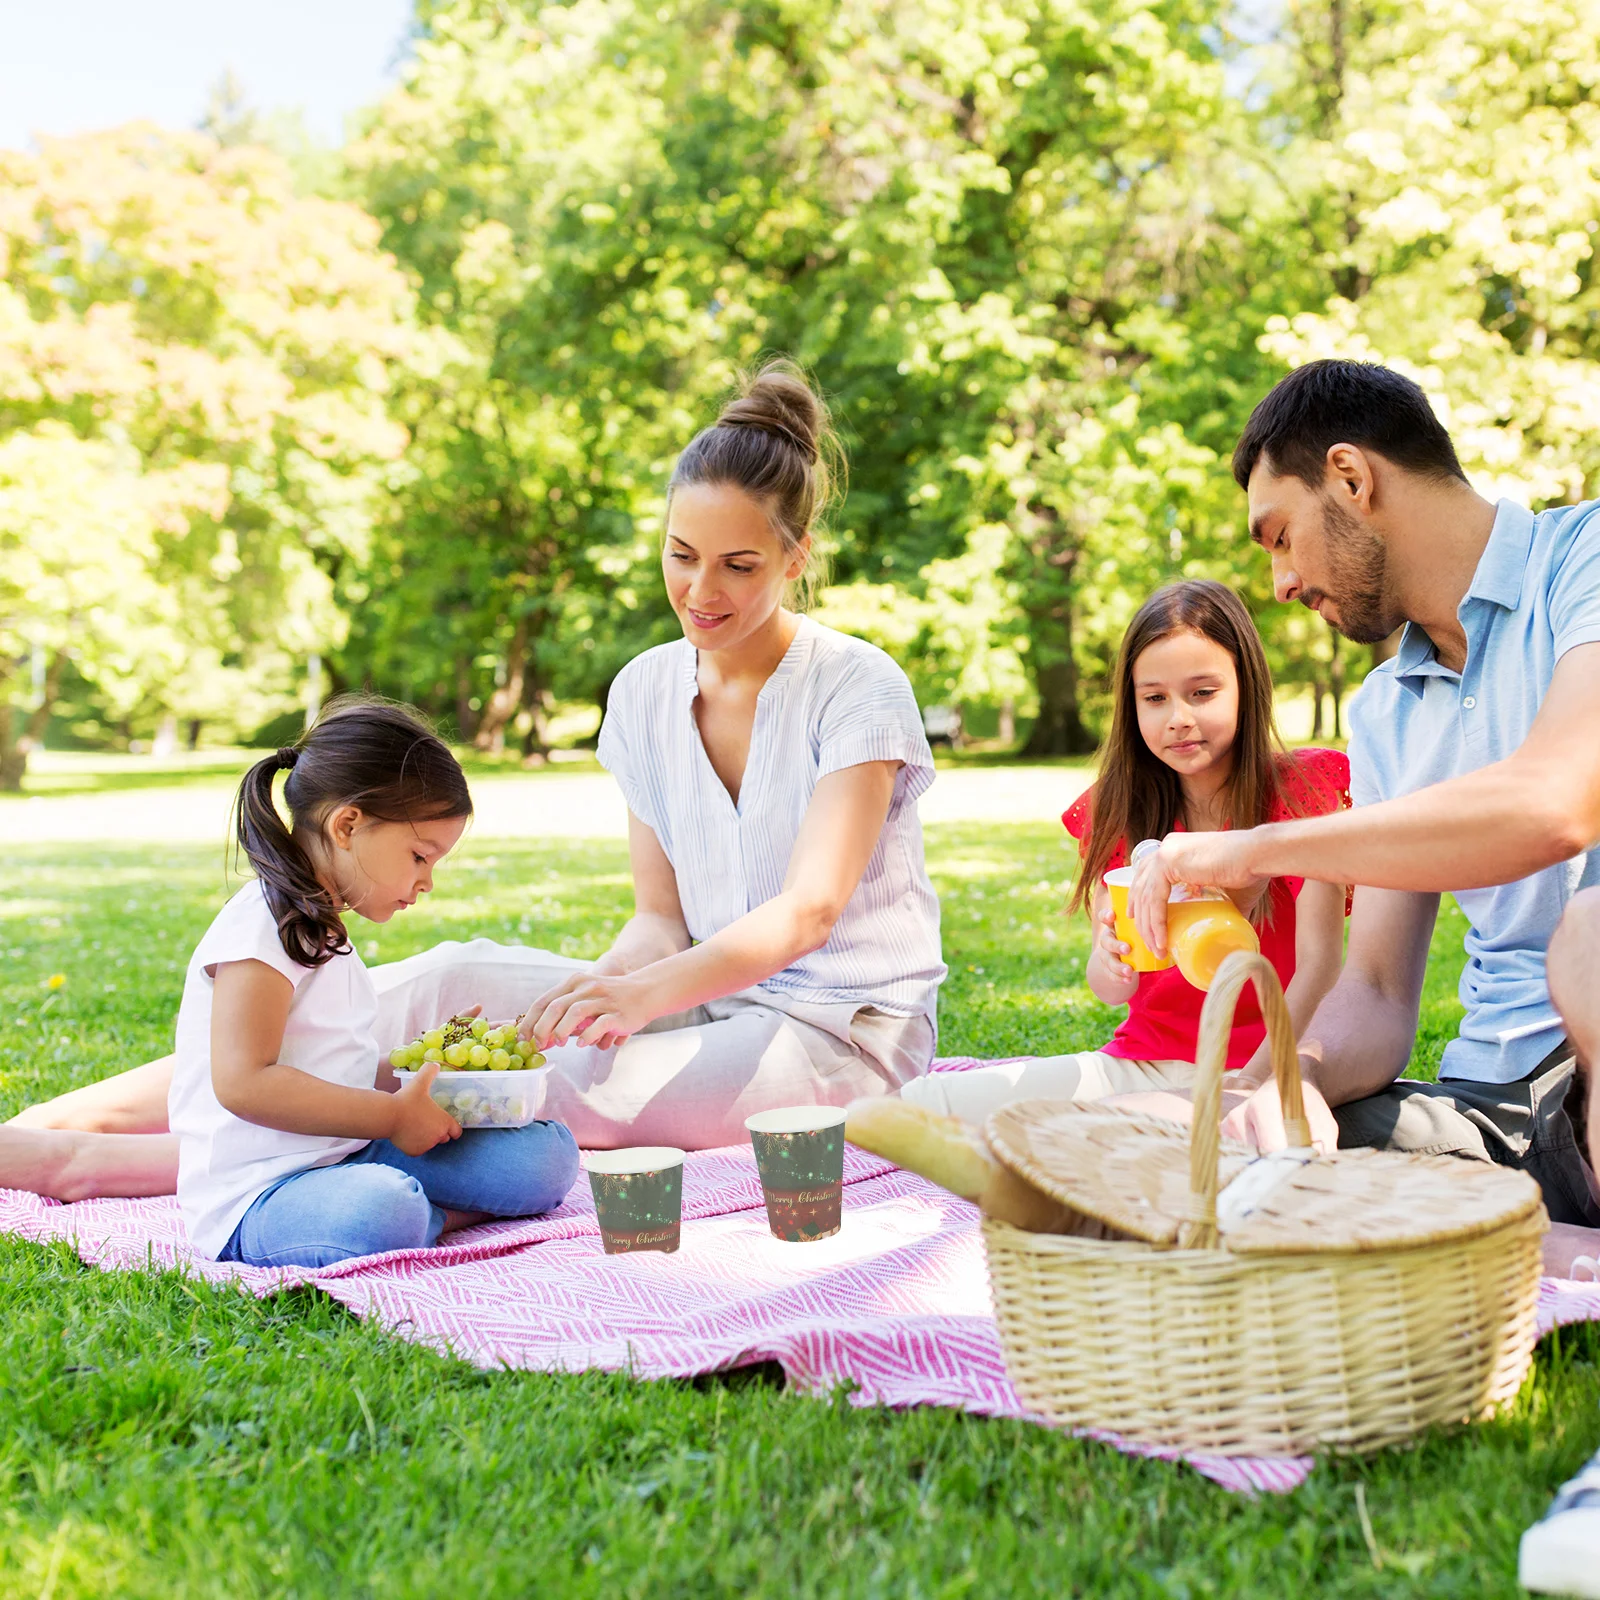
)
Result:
{"points": [[1140, 956]]}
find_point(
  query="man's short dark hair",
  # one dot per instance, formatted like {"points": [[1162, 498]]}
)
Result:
{"points": [[1325, 403]]}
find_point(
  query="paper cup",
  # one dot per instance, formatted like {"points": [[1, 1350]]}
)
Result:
{"points": [[800, 1155], [1140, 956], [638, 1196]]}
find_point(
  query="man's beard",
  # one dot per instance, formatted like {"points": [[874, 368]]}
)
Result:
{"points": [[1357, 566]]}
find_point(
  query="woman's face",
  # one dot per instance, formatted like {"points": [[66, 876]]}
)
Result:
{"points": [[1187, 690], [725, 568]]}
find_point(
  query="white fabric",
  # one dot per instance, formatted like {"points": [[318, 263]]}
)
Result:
{"points": [[224, 1162], [833, 702], [688, 1080], [1085, 1075]]}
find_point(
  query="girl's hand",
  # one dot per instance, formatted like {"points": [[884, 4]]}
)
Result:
{"points": [[418, 1123], [1117, 978], [588, 1008]]}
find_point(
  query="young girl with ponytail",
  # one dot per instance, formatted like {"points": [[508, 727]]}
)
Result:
{"points": [[290, 1150]]}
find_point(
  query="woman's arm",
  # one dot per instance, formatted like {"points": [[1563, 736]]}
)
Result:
{"points": [[249, 1011], [837, 836], [656, 929], [1318, 956]]}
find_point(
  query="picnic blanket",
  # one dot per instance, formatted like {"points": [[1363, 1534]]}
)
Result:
{"points": [[896, 1305]]}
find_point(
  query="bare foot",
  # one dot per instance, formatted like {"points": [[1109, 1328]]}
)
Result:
{"points": [[462, 1219], [1564, 1244]]}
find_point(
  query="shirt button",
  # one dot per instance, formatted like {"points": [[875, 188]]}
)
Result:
{"points": [[1469, 702]]}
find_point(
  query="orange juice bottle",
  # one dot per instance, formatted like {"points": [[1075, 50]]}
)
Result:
{"points": [[1203, 929]]}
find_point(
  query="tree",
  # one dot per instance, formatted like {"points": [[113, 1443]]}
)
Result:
{"points": [[175, 320]]}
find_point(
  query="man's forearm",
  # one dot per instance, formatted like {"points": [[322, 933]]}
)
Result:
{"points": [[1492, 826], [1358, 1042]]}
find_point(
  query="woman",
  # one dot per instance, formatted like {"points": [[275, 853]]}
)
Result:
{"points": [[784, 946]]}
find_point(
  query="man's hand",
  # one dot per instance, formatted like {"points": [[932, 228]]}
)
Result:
{"points": [[590, 1008], [1203, 860], [1259, 1121], [419, 1124]]}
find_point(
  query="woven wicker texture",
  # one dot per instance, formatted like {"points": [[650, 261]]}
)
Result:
{"points": [[1130, 1171], [1286, 1349]]}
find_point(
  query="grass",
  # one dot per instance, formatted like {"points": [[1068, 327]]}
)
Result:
{"points": [[162, 1438]]}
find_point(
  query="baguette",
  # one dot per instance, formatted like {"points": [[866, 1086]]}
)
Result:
{"points": [[957, 1157]]}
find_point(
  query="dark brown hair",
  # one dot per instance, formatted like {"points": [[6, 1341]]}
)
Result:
{"points": [[1325, 403], [775, 442], [360, 752], [1137, 795]]}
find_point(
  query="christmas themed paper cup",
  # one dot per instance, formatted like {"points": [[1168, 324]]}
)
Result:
{"points": [[638, 1196], [800, 1154]]}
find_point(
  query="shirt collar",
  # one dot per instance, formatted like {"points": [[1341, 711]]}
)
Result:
{"points": [[1497, 579], [780, 674]]}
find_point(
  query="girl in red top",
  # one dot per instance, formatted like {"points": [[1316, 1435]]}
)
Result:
{"points": [[1192, 747]]}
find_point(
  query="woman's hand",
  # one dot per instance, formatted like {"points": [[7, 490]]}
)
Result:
{"points": [[419, 1124], [1113, 981], [589, 1008]]}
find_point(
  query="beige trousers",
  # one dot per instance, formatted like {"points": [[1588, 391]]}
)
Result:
{"points": [[688, 1080], [1088, 1075]]}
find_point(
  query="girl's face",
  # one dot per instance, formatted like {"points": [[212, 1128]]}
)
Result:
{"points": [[1187, 690], [725, 568], [379, 868]]}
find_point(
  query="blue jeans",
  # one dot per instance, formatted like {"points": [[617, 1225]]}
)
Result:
{"points": [[382, 1199]]}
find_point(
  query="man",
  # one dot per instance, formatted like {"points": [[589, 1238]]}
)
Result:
{"points": [[1475, 768]]}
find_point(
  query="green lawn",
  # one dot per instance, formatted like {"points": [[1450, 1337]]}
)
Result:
{"points": [[161, 1438]]}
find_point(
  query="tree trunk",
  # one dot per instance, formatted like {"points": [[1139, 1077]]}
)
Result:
{"points": [[466, 717], [1336, 688], [14, 751], [1316, 708], [1387, 649], [1008, 721], [536, 702], [193, 739], [502, 704], [1059, 730]]}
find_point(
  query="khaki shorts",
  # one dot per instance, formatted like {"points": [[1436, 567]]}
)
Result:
{"points": [[1536, 1125]]}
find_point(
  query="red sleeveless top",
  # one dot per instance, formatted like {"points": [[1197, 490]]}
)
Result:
{"points": [[1163, 1018]]}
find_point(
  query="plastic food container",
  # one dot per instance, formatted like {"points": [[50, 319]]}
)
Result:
{"points": [[510, 1099]]}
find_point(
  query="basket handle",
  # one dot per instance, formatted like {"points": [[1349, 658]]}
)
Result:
{"points": [[1199, 1229]]}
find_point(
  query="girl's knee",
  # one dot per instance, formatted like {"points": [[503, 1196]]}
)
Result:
{"points": [[546, 1163]]}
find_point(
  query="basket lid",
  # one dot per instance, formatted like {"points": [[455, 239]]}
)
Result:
{"points": [[1132, 1171]]}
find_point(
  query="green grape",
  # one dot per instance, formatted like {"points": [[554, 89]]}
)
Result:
{"points": [[479, 1056], [433, 1039], [400, 1057], [499, 1060], [535, 1060], [480, 1027], [455, 1055], [431, 1054]]}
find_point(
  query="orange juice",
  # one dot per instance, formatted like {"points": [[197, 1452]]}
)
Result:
{"points": [[1140, 956], [1203, 931]]}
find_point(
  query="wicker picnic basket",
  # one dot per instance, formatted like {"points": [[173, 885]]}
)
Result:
{"points": [[1368, 1296]]}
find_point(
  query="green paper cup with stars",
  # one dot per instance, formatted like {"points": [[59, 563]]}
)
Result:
{"points": [[800, 1154], [638, 1197]]}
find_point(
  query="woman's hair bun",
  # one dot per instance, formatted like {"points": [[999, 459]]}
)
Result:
{"points": [[778, 400]]}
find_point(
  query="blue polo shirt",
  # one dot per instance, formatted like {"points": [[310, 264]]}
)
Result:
{"points": [[1535, 596]]}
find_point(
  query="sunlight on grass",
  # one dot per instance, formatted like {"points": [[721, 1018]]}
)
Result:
{"points": [[196, 1441]]}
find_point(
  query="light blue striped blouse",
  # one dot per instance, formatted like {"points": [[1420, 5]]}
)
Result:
{"points": [[833, 702]]}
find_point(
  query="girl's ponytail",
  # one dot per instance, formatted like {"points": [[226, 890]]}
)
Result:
{"points": [[308, 921], [370, 754]]}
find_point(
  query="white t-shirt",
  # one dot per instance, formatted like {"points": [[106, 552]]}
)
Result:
{"points": [[224, 1162], [833, 702]]}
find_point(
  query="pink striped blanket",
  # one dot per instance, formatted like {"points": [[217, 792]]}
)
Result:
{"points": [[896, 1305]]}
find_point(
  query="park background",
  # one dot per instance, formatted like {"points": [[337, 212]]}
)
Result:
{"points": [[291, 404], [283, 414]]}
